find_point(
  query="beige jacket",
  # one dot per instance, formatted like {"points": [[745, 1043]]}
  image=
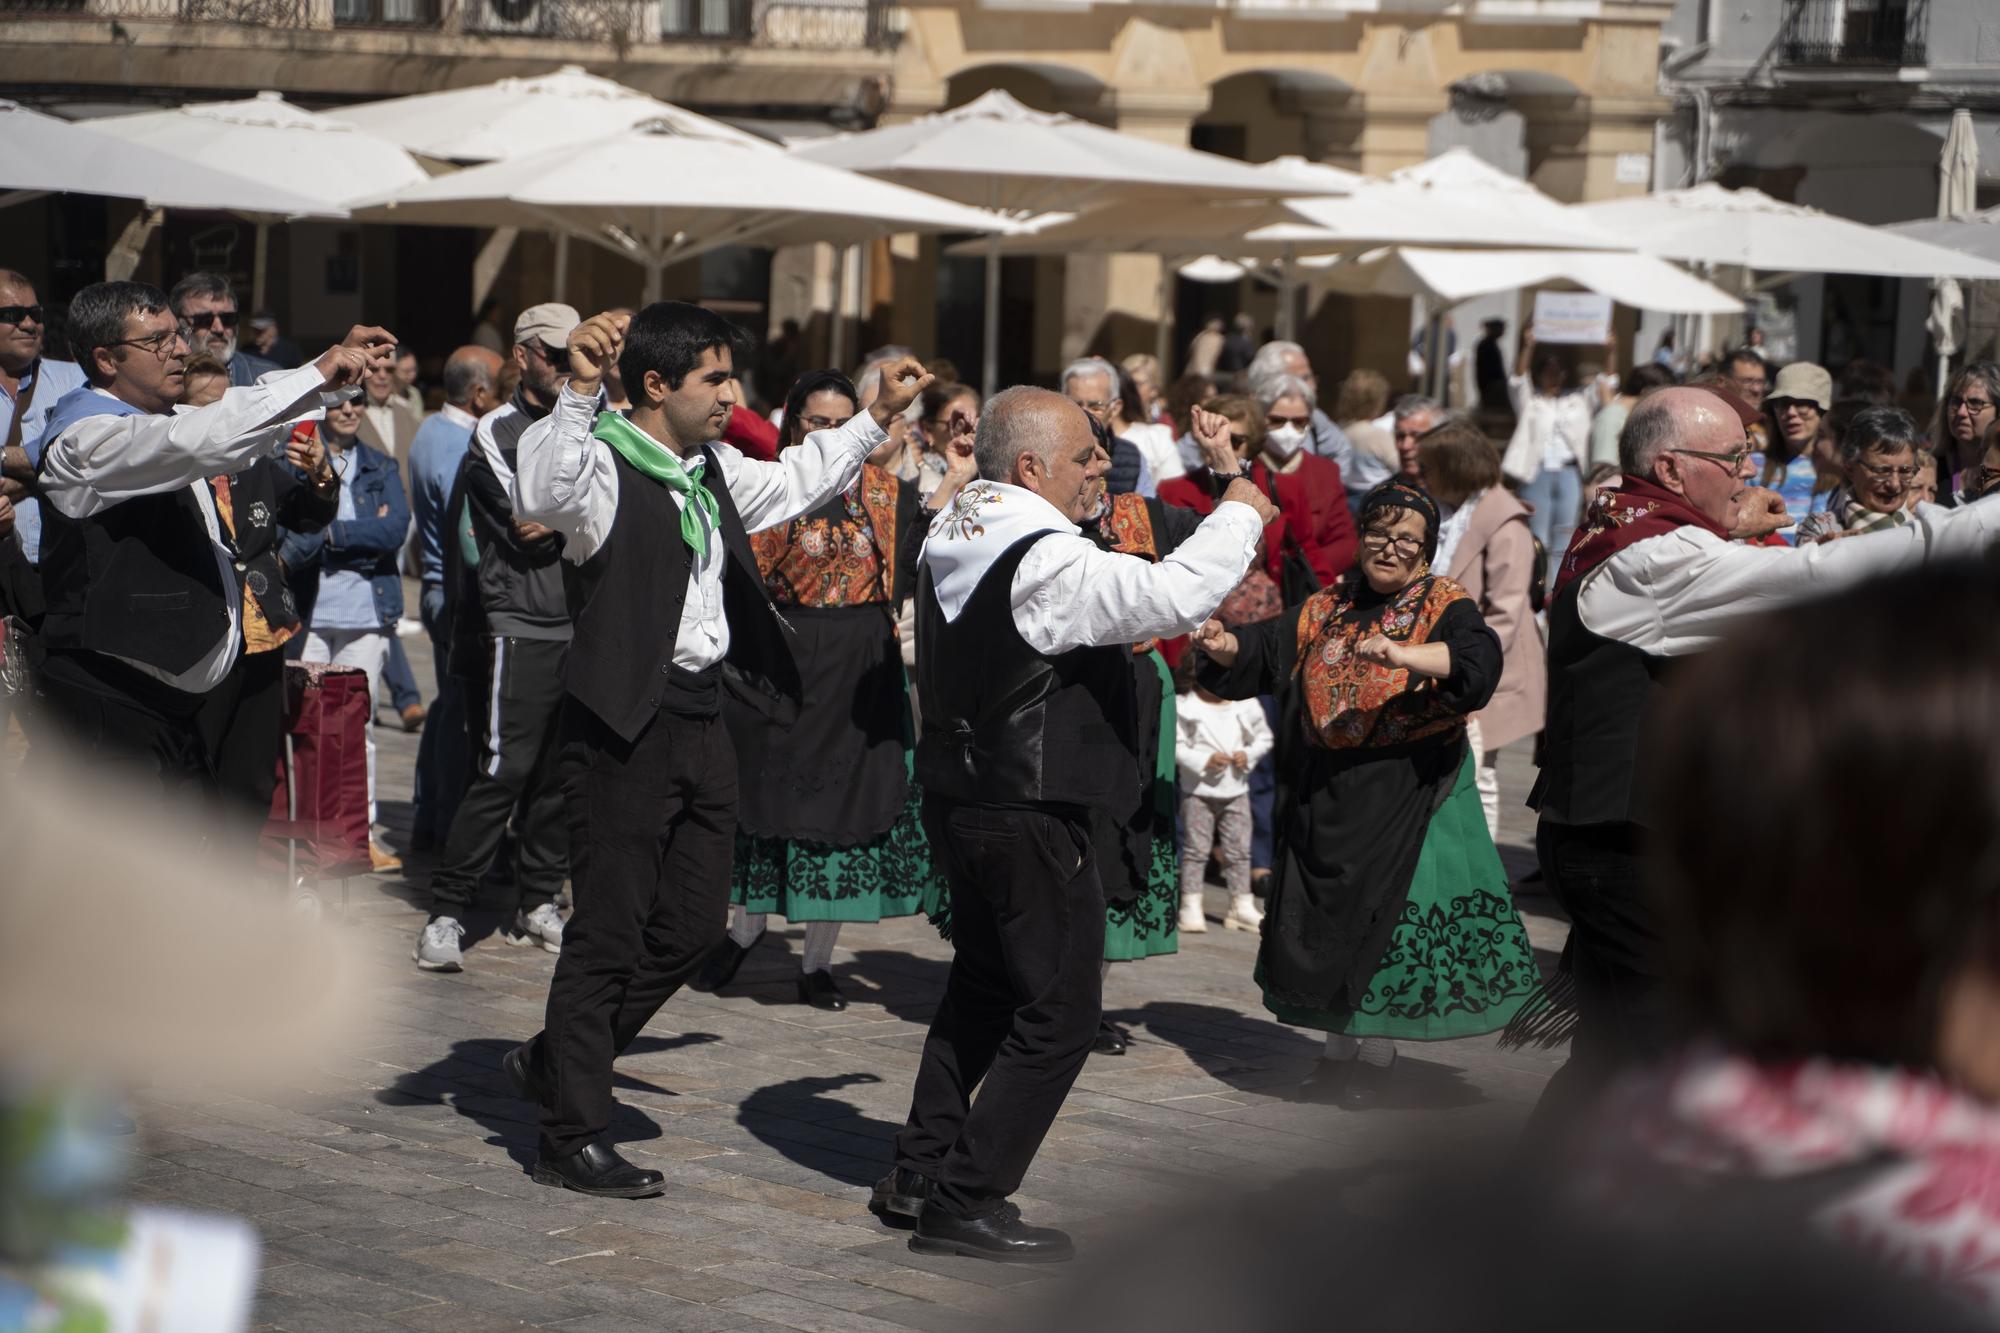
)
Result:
{"points": [[1494, 562]]}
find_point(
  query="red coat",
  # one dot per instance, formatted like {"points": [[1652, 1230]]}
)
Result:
{"points": [[1312, 504], [754, 436]]}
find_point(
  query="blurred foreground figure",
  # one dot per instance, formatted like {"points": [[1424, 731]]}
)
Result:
{"points": [[1843, 987]]}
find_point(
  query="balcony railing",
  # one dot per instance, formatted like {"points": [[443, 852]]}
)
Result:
{"points": [[806, 25], [1854, 32]]}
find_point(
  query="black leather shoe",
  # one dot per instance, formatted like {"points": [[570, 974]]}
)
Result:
{"points": [[817, 989], [719, 968], [1000, 1236], [1327, 1081], [1111, 1039], [596, 1168], [1367, 1086], [902, 1192], [523, 1071]]}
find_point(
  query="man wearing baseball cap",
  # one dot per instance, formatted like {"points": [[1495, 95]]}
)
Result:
{"points": [[1798, 402], [510, 631]]}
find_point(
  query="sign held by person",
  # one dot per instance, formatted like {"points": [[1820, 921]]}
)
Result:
{"points": [[1572, 317]]}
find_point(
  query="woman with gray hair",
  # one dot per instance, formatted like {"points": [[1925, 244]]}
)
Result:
{"points": [[1879, 457]]}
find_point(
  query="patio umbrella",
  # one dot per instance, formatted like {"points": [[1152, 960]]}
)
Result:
{"points": [[998, 154], [1976, 234], [1450, 276], [1958, 186], [1709, 224], [300, 151], [1451, 200], [517, 117], [658, 194]]}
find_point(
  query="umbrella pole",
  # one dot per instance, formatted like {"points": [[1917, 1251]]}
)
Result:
{"points": [[836, 333], [561, 239], [990, 359], [259, 266], [656, 278], [1287, 297], [1163, 327]]}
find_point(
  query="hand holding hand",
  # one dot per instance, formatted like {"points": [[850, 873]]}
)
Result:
{"points": [[1240, 761], [1247, 492], [1211, 432], [1380, 650], [1217, 642], [593, 349], [1217, 761], [902, 380], [1758, 511]]}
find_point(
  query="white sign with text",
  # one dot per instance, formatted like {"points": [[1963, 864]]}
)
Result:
{"points": [[1572, 317]]}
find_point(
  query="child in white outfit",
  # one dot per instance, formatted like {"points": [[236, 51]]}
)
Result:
{"points": [[1219, 741]]}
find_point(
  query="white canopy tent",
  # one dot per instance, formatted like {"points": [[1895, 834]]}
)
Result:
{"points": [[305, 153], [998, 154], [658, 195], [41, 154]]}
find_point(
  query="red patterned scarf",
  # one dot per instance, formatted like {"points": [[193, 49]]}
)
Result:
{"points": [[1629, 512]]}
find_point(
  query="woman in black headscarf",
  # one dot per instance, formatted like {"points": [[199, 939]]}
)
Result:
{"points": [[1388, 914]]}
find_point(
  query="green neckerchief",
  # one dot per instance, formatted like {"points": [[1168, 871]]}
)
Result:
{"points": [[657, 461]]}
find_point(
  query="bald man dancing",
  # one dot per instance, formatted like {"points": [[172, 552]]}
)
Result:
{"points": [[1656, 573], [1024, 630]]}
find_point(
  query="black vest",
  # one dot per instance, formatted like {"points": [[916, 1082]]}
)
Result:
{"points": [[138, 580], [1006, 725], [1601, 693], [626, 601]]}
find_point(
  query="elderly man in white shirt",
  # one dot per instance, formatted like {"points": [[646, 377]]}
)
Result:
{"points": [[655, 515], [139, 573], [1024, 634], [1659, 570]]}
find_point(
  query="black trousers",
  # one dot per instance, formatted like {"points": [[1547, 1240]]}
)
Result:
{"points": [[242, 725], [514, 776], [444, 755], [652, 832], [1616, 957], [120, 720], [1022, 1003]]}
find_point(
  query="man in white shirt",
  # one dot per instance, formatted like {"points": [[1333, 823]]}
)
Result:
{"points": [[1659, 570], [655, 515], [1024, 634], [144, 611]]}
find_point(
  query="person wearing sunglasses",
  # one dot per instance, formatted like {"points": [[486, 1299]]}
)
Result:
{"points": [[1662, 566], [140, 566], [1389, 917], [1878, 454], [1965, 412], [31, 383], [205, 305]]}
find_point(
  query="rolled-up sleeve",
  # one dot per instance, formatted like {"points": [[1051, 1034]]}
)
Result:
{"points": [[767, 494], [564, 478], [1068, 594]]}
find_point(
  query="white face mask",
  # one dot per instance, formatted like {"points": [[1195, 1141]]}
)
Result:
{"points": [[1285, 441]]}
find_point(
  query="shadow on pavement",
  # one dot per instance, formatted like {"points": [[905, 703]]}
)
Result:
{"points": [[802, 1122]]}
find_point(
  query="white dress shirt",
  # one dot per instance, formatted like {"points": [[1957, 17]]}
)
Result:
{"points": [[565, 479], [1677, 593], [105, 460], [1069, 593]]}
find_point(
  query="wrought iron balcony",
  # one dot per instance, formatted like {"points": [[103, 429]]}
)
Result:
{"points": [[1854, 32]]}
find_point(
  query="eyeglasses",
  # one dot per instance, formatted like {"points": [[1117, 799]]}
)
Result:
{"points": [[1382, 541], [1735, 460], [821, 423], [156, 343], [1757, 385], [1906, 475], [555, 356], [1783, 405], [21, 314], [1092, 405], [1274, 421], [1952, 404], [225, 319]]}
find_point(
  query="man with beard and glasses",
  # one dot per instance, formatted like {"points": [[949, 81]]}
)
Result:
{"points": [[205, 305]]}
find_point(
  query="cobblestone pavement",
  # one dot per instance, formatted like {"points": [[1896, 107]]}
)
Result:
{"points": [[393, 1192]]}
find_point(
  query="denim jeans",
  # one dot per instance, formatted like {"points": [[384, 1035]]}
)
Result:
{"points": [[1554, 497]]}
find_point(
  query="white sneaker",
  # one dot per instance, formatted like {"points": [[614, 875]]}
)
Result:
{"points": [[543, 927], [1192, 921], [1244, 914], [437, 946]]}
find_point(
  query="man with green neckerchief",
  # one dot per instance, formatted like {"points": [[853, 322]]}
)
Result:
{"points": [[669, 610]]}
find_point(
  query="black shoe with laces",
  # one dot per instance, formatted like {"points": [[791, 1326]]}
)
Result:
{"points": [[596, 1168], [999, 1236], [902, 1192], [719, 968], [817, 989]]}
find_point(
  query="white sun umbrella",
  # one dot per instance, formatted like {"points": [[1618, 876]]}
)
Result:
{"points": [[1450, 276], [1710, 224], [1958, 187], [998, 154], [1451, 200], [1976, 234], [658, 195], [300, 151], [517, 117], [42, 154]]}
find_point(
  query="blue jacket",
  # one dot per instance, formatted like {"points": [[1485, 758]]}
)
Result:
{"points": [[366, 544]]}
